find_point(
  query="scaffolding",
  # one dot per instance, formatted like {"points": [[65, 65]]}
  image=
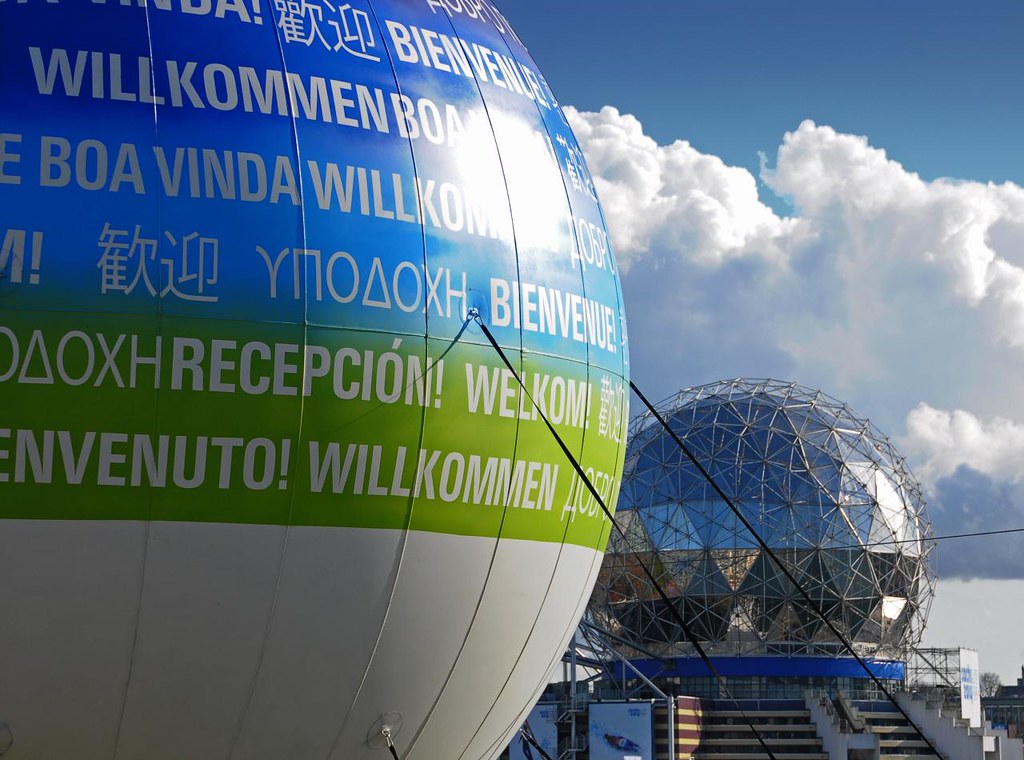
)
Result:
{"points": [[935, 673]]}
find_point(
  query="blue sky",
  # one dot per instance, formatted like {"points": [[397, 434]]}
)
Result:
{"points": [[874, 259], [939, 84]]}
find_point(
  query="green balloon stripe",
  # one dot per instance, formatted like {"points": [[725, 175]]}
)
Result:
{"points": [[269, 424]]}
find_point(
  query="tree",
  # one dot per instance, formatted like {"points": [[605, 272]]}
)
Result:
{"points": [[990, 685]]}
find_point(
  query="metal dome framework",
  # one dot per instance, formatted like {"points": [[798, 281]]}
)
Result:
{"points": [[825, 490]]}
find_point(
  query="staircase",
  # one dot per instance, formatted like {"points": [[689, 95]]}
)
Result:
{"points": [[572, 724], [784, 725], [897, 739]]}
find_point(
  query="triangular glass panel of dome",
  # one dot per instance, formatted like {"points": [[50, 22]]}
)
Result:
{"points": [[632, 523], [700, 414], [753, 512], [881, 538], [660, 569], [893, 607], [802, 418], [860, 518], [660, 451], [714, 523], [627, 494], [816, 579], [890, 502], [825, 634], [708, 581], [884, 566], [815, 433], [913, 545], [704, 623], [701, 443], [807, 525], [657, 513], [804, 488], [779, 443], [657, 496], [839, 567], [735, 564], [902, 579], [730, 417], [740, 621], [627, 586], [829, 483], [833, 446], [749, 482], [650, 471], [839, 531], [835, 532], [617, 543], [672, 530], [870, 630], [828, 412], [857, 612], [763, 611], [775, 483], [864, 583], [740, 407], [674, 457], [754, 444], [809, 622], [820, 458], [862, 474], [680, 488], [784, 624], [783, 424], [774, 525], [680, 568], [721, 466], [765, 580], [699, 507]]}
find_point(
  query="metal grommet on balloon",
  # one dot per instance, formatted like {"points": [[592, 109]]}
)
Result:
{"points": [[476, 304], [384, 730]]}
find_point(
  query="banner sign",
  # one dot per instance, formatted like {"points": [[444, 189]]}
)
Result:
{"points": [[621, 731], [545, 731], [970, 687]]}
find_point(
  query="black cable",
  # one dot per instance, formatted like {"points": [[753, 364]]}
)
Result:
{"points": [[898, 541], [527, 733], [691, 637], [426, 371], [386, 733], [781, 565]]}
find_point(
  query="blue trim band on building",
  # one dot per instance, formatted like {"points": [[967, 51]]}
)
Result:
{"points": [[766, 666]]}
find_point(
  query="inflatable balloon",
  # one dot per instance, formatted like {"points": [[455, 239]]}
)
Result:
{"points": [[266, 490]]}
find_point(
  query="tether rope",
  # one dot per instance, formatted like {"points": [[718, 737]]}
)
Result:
{"points": [[527, 733], [678, 618]]}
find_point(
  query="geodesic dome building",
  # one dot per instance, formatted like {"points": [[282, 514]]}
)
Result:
{"points": [[824, 489]]}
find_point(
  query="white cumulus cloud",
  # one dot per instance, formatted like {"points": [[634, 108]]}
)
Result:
{"points": [[672, 199], [943, 440], [882, 288], [973, 232]]}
